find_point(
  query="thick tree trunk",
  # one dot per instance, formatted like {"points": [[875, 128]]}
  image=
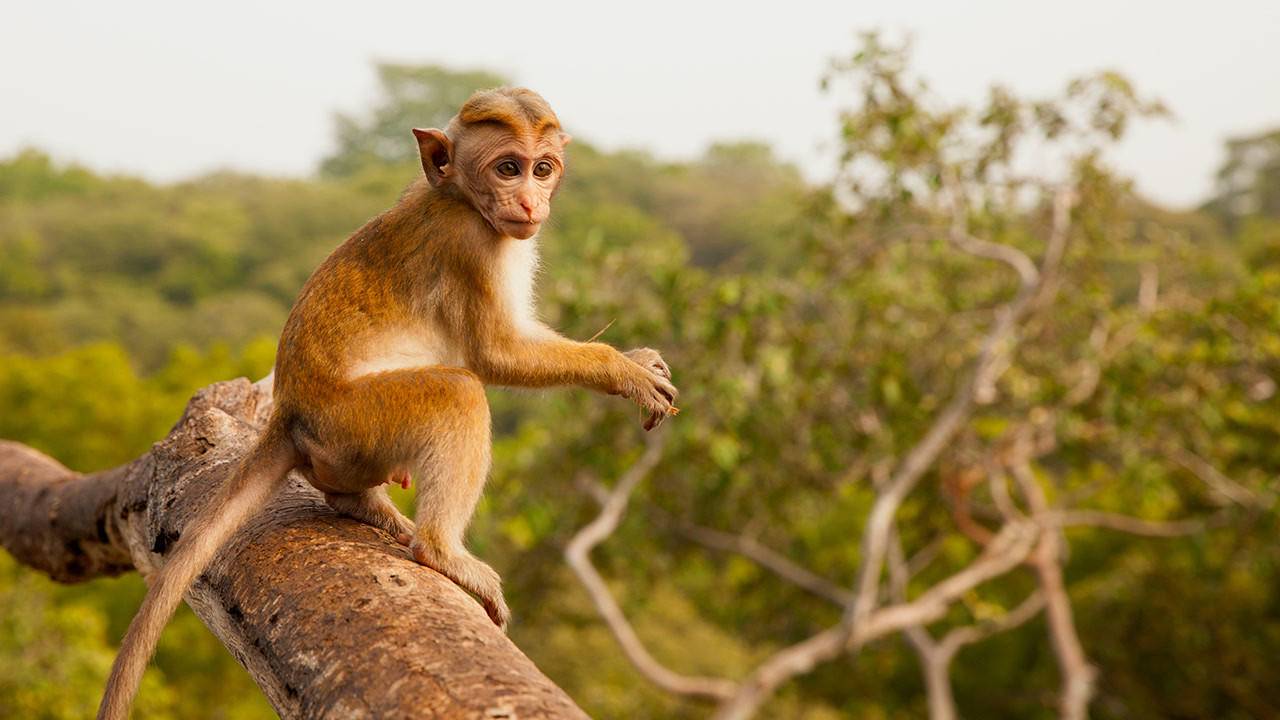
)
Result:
{"points": [[332, 618]]}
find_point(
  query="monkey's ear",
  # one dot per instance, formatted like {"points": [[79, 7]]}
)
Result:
{"points": [[565, 138], [437, 154]]}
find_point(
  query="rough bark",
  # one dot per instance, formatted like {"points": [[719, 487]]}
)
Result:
{"points": [[331, 617]]}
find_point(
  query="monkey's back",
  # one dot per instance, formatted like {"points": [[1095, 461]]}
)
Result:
{"points": [[376, 295]]}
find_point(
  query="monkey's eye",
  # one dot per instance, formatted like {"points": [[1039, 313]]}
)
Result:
{"points": [[543, 169], [508, 168]]}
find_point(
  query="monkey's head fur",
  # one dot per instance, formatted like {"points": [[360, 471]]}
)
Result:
{"points": [[504, 152]]}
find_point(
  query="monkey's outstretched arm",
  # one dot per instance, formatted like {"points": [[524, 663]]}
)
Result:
{"points": [[257, 479], [504, 357]]}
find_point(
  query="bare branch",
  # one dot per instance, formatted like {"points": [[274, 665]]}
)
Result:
{"points": [[1078, 674], [1064, 199], [591, 487], [1090, 370], [999, 484], [923, 557], [970, 634], [1028, 275], [1124, 523], [1148, 288], [768, 558], [936, 656], [578, 556], [1007, 550], [984, 373], [1219, 483], [934, 666], [861, 621]]}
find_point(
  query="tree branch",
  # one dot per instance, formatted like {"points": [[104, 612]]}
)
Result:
{"points": [[934, 665], [1006, 551], [858, 624], [1078, 674], [768, 558], [936, 656], [331, 617], [1124, 523], [1219, 483], [578, 556]]}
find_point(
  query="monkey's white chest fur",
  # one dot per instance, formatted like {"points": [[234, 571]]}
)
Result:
{"points": [[517, 270], [425, 344]]}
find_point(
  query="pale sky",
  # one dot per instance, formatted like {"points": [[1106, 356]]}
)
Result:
{"points": [[170, 89]]}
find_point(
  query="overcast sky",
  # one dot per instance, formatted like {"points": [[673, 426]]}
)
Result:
{"points": [[171, 89]]}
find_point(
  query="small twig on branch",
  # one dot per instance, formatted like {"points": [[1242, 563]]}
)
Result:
{"points": [[1090, 369], [768, 558], [1018, 616], [1219, 483], [1124, 523]]}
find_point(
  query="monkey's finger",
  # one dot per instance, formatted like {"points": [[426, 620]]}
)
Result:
{"points": [[659, 400], [661, 367], [668, 390]]}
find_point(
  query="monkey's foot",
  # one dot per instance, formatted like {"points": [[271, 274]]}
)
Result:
{"points": [[469, 572], [374, 508]]}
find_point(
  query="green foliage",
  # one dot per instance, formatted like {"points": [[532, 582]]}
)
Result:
{"points": [[90, 409], [815, 332], [1249, 180], [57, 654], [412, 96]]}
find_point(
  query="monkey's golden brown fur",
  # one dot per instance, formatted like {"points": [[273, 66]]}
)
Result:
{"points": [[381, 367]]}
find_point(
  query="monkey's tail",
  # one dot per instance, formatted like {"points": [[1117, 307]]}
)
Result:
{"points": [[259, 477]]}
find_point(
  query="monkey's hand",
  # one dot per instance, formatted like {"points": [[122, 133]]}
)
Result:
{"points": [[653, 389]]}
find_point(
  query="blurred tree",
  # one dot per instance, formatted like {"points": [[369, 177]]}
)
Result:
{"points": [[55, 653], [411, 96], [1248, 182], [32, 175]]}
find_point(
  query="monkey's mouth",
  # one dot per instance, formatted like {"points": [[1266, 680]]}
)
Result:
{"points": [[520, 229], [521, 219]]}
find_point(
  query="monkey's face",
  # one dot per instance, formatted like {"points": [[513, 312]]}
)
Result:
{"points": [[510, 177]]}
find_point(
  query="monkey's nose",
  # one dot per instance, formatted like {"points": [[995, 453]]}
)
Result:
{"points": [[527, 204]]}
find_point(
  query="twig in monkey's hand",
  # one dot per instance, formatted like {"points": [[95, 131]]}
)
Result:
{"points": [[600, 332], [380, 375]]}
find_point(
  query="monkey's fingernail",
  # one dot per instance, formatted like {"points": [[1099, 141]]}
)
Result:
{"points": [[673, 410]]}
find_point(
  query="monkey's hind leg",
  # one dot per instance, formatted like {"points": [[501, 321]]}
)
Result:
{"points": [[452, 476], [375, 508], [445, 504], [435, 421]]}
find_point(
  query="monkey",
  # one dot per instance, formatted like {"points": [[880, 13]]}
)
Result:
{"points": [[382, 364]]}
